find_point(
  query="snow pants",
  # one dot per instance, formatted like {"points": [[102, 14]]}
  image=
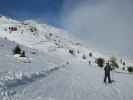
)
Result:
{"points": [[107, 76]]}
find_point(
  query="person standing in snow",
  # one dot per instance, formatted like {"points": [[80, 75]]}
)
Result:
{"points": [[107, 70]]}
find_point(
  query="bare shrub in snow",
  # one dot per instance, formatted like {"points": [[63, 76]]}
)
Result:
{"points": [[89, 62], [33, 29], [123, 63], [71, 52], [130, 69], [50, 34], [23, 54], [17, 50], [90, 54], [84, 56], [100, 62], [123, 68], [12, 28], [33, 52], [78, 51]]}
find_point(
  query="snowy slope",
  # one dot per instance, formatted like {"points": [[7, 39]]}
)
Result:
{"points": [[35, 35], [15, 71], [59, 69], [49, 39], [78, 82]]}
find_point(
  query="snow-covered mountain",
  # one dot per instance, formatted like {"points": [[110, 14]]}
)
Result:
{"points": [[42, 37], [56, 66]]}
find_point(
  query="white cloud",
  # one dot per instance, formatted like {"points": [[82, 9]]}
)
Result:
{"points": [[107, 24]]}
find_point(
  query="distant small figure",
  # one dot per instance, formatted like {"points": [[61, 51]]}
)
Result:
{"points": [[107, 70]]}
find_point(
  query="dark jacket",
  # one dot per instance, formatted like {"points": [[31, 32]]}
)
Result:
{"points": [[107, 69]]}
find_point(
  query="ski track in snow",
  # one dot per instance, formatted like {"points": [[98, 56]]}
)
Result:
{"points": [[8, 86], [75, 82], [79, 83]]}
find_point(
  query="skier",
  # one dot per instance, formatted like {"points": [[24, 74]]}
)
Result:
{"points": [[107, 70]]}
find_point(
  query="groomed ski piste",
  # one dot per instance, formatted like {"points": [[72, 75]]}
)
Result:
{"points": [[49, 71]]}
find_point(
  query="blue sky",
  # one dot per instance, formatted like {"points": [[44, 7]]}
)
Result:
{"points": [[47, 10], [50, 11], [104, 24]]}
